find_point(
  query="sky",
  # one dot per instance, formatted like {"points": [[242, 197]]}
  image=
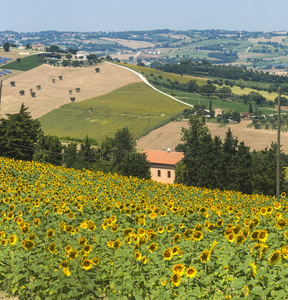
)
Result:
{"points": [[117, 15]]}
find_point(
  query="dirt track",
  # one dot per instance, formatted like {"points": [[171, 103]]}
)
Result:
{"points": [[169, 136], [53, 95]]}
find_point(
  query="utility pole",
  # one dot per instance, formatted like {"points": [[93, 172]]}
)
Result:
{"points": [[0, 91], [278, 145]]}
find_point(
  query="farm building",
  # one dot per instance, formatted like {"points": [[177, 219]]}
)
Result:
{"points": [[163, 164], [38, 47], [218, 111]]}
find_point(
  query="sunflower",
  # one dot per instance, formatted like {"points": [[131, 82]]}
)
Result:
{"points": [[151, 235], [68, 248], [137, 255], [114, 228], [277, 205], [263, 235], [66, 271], [176, 279], [141, 231], [255, 235], [163, 282], [87, 264], [181, 225], [275, 256], [191, 272], [219, 223], [152, 247], [82, 241], [175, 250], [50, 233], [127, 231], [144, 259], [96, 261], [87, 249], [25, 229], [167, 254], [27, 244], [187, 234], [176, 238], [281, 223], [4, 242], [231, 237], [170, 228], [197, 235], [12, 239], [179, 269], [72, 254], [65, 264], [205, 256], [161, 229], [284, 251], [52, 248], [198, 227], [116, 244], [210, 227]]}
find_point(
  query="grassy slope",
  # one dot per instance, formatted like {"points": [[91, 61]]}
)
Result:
{"points": [[197, 99], [26, 64], [136, 106]]}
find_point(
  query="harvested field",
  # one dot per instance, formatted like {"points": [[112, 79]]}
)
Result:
{"points": [[53, 95], [131, 43], [170, 136]]}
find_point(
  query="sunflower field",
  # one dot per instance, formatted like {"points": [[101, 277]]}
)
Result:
{"points": [[68, 234]]}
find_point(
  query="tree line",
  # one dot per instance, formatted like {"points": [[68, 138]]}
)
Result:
{"points": [[21, 137], [229, 165], [205, 68]]}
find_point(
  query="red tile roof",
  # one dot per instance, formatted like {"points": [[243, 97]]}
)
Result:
{"points": [[163, 157]]}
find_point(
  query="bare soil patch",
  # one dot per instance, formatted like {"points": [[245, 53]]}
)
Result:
{"points": [[131, 43], [273, 39], [53, 95], [169, 136]]}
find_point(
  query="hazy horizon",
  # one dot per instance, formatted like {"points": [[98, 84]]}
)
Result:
{"points": [[127, 15]]}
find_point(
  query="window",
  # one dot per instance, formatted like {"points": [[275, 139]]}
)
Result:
{"points": [[159, 173], [169, 174]]}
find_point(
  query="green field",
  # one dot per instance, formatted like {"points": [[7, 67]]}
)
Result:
{"points": [[136, 106], [25, 64]]}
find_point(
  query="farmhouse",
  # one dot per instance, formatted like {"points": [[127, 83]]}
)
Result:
{"points": [[82, 55], [218, 111], [163, 164]]}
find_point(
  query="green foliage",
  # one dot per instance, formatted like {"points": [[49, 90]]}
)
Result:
{"points": [[18, 135], [135, 106], [48, 150], [6, 46], [27, 63], [230, 166]]}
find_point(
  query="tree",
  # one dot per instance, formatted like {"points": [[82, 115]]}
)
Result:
{"points": [[60, 77], [6, 46], [68, 56], [22, 92], [109, 58], [72, 99], [224, 92], [75, 63], [235, 116], [123, 143], [77, 90], [207, 89], [33, 94], [48, 149], [97, 70], [12, 83], [18, 135], [53, 49], [18, 60], [197, 153], [250, 108], [65, 63]]}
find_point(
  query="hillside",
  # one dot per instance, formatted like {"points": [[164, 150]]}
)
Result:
{"points": [[170, 136], [53, 95], [65, 227], [136, 106]]}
